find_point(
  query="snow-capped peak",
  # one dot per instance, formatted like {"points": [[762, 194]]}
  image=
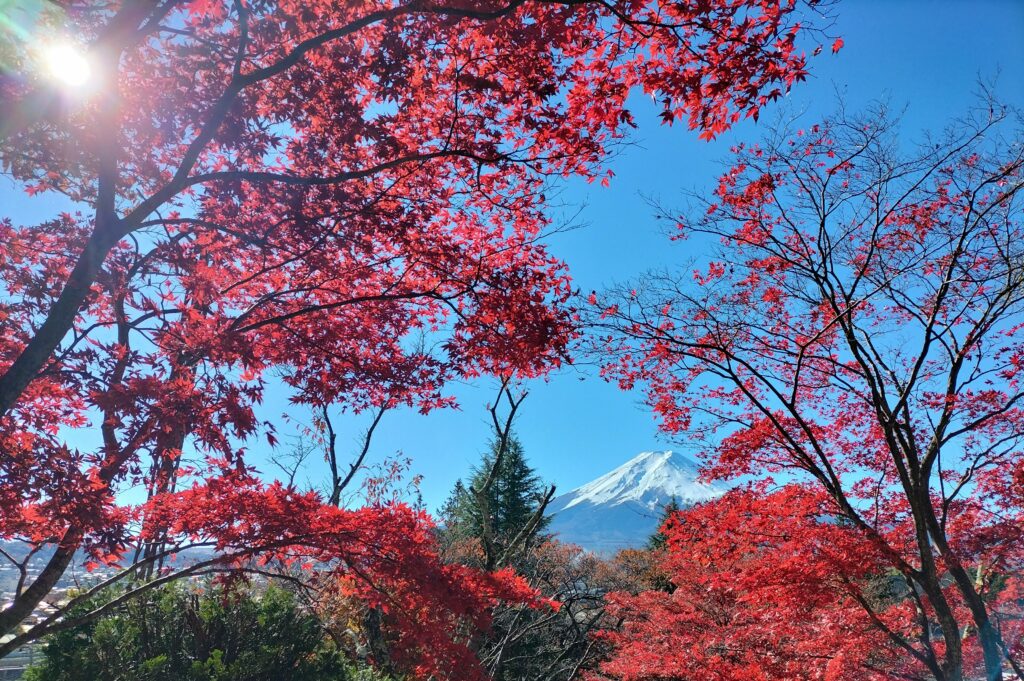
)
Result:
{"points": [[622, 508], [651, 478]]}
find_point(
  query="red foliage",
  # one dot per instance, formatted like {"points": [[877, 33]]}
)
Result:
{"points": [[860, 334], [386, 557], [765, 586], [306, 188]]}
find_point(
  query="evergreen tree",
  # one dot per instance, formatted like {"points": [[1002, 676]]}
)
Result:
{"points": [[516, 492], [511, 650], [511, 502], [658, 539], [452, 510], [660, 579], [454, 515]]}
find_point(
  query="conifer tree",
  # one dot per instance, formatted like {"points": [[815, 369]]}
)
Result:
{"points": [[511, 502], [454, 515], [451, 510], [658, 539], [657, 543], [516, 492]]}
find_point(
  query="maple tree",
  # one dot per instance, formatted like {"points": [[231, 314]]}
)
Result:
{"points": [[761, 588], [856, 337], [303, 188]]}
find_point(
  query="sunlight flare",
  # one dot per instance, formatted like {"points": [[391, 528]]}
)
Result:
{"points": [[67, 64]]}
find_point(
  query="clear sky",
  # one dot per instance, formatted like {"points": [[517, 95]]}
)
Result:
{"points": [[925, 55]]}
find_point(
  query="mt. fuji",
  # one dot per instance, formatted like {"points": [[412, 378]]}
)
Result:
{"points": [[621, 509]]}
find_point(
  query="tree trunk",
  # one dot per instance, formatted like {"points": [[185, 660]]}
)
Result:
{"points": [[31, 597]]}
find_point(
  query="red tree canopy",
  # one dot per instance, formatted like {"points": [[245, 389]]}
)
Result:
{"points": [[773, 584], [859, 331], [764, 586], [305, 188]]}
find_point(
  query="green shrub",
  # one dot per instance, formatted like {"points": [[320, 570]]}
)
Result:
{"points": [[181, 634]]}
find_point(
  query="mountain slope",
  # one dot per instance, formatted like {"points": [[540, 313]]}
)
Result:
{"points": [[621, 509]]}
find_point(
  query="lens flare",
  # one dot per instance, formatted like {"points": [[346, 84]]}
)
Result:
{"points": [[67, 64]]}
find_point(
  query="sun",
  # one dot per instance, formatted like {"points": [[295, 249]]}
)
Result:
{"points": [[67, 64]]}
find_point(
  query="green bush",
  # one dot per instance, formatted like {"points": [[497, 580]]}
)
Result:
{"points": [[180, 634]]}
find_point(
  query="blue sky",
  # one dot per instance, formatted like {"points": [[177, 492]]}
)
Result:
{"points": [[925, 55]]}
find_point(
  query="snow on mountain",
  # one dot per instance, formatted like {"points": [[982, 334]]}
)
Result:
{"points": [[621, 509]]}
